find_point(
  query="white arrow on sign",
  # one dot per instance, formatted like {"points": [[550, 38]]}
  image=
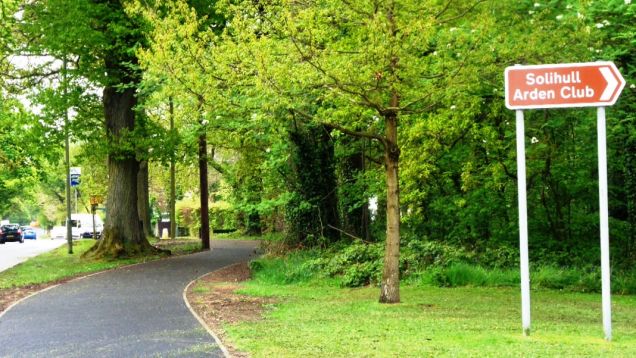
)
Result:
{"points": [[590, 84], [612, 83]]}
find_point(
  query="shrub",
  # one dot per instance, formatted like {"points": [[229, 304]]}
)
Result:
{"points": [[359, 264], [292, 268], [421, 254], [551, 277]]}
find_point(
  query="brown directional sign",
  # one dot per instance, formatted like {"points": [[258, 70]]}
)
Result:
{"points": [[590, 84]]}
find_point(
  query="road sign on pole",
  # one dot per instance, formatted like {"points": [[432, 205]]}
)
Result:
{"points": [[76, 173], [590, 84]]}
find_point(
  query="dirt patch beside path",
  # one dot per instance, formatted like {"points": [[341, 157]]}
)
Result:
{"points": [[8, 296], [214, 298]]}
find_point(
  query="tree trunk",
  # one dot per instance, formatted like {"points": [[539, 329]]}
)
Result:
{"points": [[123, 234], [173, 180], [390, 286], [143, 198], [203, 185]]}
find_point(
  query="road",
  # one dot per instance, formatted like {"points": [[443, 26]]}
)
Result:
{"points": [[136, 311], [12, 253]]}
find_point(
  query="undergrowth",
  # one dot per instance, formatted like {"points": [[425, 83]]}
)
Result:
{"points": [[427, 263]]}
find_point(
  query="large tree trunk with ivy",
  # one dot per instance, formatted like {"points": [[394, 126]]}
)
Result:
{"points": [[313, 213], [123, 229], [354, 205], [253, 218]]}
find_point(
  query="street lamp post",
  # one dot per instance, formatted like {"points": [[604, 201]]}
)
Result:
{"points": [[69, 231]]}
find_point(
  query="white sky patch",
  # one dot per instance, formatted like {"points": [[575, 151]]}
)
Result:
{"points": [[47, 64], [373, 206], [19, 15]]}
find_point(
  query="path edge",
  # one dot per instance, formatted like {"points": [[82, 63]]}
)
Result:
{"points": [[25, 298], [2, 313], [218, 341]]}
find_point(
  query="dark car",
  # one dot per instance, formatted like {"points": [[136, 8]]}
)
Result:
{"points": [[10, 233]]}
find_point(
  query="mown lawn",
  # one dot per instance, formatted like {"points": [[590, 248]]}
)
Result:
{"points": [[320, 320]]}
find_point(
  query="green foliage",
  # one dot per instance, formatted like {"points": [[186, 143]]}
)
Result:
{"points": [[358, 264], [270, 82], [222, 216], [314, 206], [295, 268], [188, 213], [425, 263]]}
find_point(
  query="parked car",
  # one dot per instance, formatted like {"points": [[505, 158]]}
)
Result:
{"points": [[58, 232], [10, 232], [28, 233]]}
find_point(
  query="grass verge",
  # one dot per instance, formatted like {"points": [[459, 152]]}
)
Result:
{"points": [[319, 318], [57, 265]]}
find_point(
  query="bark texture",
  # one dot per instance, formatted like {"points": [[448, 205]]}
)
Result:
{"points": [[203, 185], [123, 229], [173, 181], [390, 286]]}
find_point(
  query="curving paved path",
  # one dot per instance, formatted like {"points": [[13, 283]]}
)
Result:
{"points": [[132, 312]]}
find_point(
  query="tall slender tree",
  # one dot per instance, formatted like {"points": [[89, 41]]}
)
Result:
{"points": [[371, 65]]}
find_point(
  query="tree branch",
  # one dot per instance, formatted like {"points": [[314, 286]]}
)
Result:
{"points": [[357, 134], [463, 13]]}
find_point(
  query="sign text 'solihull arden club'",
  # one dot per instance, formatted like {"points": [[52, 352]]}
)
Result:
{"points": [[589, 84]]}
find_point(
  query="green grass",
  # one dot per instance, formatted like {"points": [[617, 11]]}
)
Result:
{"points": [[320, 319], [58, 264], [200, 287]]}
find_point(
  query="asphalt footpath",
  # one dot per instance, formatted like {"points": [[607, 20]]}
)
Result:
{"points": [[136, 311]]}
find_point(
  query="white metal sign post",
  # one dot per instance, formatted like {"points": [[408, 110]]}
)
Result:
{"points": [[604, 214], [523, 224], [591, 84]]}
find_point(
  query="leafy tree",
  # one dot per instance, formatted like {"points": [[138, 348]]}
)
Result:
{"points": [[371, 64], [98, 39], [613, 21]]}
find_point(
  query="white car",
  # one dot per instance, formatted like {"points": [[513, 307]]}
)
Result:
{"points": [[59, 232]]}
